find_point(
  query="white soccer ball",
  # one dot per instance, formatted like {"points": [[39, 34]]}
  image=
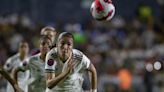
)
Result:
{"points": [[102, 10]]}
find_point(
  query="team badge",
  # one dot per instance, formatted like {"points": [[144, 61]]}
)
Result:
{"points": [[50, 62], [24, 63], [8, 65]]}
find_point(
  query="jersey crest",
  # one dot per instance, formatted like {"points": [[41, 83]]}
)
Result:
{"points": [[50, 62]]}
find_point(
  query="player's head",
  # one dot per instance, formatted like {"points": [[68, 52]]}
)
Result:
{"points": [[45, 43], [65, 45], [50, 32], [23, 47]]}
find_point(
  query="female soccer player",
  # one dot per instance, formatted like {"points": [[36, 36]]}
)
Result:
{"points": [[65, 67], [36, 65]]}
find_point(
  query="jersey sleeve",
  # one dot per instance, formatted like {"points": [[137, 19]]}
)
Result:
{"points": [[50, 63], [86, 62], [8, 65]]}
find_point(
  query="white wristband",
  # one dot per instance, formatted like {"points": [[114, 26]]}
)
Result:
{"points": [[94, 90]]}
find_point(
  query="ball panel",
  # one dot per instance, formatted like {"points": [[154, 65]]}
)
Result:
{"points": [[102, 10]]}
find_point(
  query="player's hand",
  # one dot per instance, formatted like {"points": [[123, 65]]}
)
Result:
{"points": [[69, 64], [17, 88]]}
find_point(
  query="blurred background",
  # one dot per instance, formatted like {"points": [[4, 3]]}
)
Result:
{"points": [[127, 51]]}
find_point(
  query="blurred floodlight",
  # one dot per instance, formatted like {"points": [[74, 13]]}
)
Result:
{"points": [[149, 67], [157, 65]]}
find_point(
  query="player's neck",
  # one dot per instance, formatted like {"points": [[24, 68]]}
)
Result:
{"points": [[22, 56], [62, 60], [42, 56]]}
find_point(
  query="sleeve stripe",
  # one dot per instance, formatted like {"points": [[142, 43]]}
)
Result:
{"points": [[49, 71]]}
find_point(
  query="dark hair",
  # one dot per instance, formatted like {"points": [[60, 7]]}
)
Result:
{"points": [[23, 41], [44, 37], [65, 34]]}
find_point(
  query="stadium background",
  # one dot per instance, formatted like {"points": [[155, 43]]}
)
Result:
{"points": [[121, 49]]}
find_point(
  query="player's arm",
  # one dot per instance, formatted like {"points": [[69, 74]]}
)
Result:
{"points": [[51, 79], [93, 74], [14, 73], [5, 73], [93, 77], [7, 76], [22, 67]]}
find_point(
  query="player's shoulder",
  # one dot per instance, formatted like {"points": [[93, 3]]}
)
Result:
{"points": [[77, 54], [13, 58], [32, 58], [52, 52]]}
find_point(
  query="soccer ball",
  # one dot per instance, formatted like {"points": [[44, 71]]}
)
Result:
{"points": [[102, 10]]}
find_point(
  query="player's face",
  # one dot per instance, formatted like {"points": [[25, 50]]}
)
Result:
{"points": [[50, 34], [65, 46], [23, 48], [44, 46]]}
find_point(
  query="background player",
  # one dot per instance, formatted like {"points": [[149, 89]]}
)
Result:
{"points": [[65, 67], [51, 33], [36, 65], [15, 61]]}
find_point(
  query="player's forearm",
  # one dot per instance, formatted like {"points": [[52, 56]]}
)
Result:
{"points": [[16, 88], [94, 80], [93, 77], [53, 82], [15, 73], [13, 82], [7, 77]]}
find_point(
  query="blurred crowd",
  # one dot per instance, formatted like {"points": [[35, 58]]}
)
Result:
{"points": [[123, 50]]}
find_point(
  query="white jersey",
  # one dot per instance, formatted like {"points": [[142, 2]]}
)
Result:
{"points": [[37, 81], [11, 63], [73, 82]]}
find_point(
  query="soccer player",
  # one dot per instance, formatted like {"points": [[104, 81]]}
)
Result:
{"points": [[15, 61], [51, 33], [36, 65], [65, 67]]}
